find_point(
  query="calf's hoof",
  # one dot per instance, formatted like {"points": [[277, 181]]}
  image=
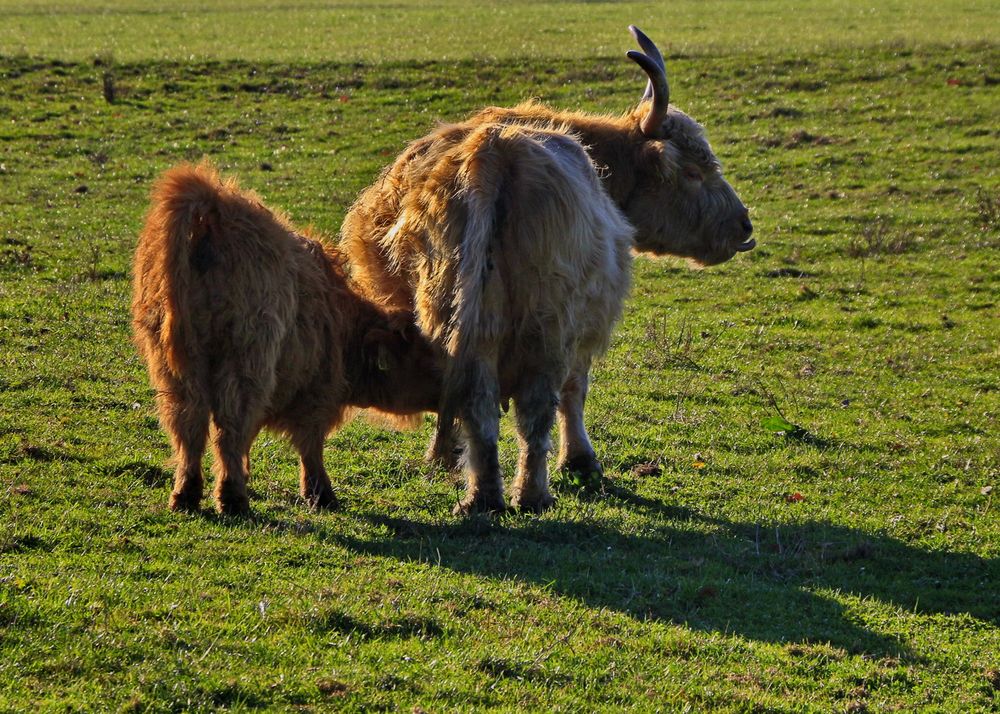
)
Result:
{"points": [[532, 503], [185, 501], [480, 503], [450, 461], [232, 503], [324, 500]]}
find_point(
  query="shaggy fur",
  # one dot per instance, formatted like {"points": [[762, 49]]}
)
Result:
{"points": [[510, 236], [244, 321], [516, 263]]}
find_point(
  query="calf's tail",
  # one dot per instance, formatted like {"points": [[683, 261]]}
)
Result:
{"points": [[174, 249]]}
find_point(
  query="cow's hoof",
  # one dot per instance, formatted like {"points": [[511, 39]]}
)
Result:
{"points": [[185, 501], [325, 500], [586, 465], [533, 503], [479, 503]]}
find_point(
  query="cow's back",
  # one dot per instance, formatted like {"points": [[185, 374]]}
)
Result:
{"points": [[502, 240]]}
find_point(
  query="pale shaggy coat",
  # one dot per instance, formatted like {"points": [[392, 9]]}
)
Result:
{"points": [[247, 322], [516, 262], [658, 183], [509, 233]]}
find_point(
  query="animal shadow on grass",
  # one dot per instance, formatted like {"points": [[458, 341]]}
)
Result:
{"points": [[40, 454], [151, 475], [763, 582]]}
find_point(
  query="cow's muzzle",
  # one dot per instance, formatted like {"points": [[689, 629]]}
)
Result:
{"points": [[746, 227]]}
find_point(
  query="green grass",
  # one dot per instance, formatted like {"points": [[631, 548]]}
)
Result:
{"points": [[850, 567], [399, 30]]}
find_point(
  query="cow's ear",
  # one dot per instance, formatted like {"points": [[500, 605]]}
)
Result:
{"points": [[659, 160]]}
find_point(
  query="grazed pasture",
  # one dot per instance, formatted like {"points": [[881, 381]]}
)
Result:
{"points": [[847, 565]]}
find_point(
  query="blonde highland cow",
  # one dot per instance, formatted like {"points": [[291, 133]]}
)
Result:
{"points": [[510, 235]]}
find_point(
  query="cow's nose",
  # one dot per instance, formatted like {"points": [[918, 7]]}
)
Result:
{"points": [[747, 226]]}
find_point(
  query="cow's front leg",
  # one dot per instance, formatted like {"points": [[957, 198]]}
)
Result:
{"points": [[237, 412], [184, 414], [575, 451], [232, 442], [445, 448]]}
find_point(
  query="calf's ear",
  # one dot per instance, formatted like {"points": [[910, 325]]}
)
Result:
{"points": [[401, 322], [380, 348], [383, 359]]}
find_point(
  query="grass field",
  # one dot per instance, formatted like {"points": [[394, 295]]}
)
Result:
{"points": [[851, 565], [403, 30]]}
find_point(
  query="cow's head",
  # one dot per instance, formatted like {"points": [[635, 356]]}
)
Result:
{"points": [[681, 204]]}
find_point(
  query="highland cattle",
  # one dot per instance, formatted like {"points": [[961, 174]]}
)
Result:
{"points": [[247, 323], [510, 236]]}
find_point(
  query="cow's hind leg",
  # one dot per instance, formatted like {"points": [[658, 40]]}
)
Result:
{"points": [[314, 483], [535, 406], [480, 416], [184, 414], [575, 451]]}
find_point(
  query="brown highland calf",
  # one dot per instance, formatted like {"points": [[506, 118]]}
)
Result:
{"points": [[243, 320], [510, 236]]}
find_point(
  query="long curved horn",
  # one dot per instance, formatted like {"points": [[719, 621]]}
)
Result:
{"points": [[648, 46], [657, 87]]}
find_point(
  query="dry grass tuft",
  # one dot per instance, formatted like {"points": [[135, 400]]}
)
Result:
{"points": [[880, 237]]}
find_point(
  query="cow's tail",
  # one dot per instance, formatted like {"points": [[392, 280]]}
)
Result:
{"points": [[474, 328], [174, 249]]}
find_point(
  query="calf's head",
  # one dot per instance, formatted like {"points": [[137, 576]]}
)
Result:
{"points": [[681, 204], [401, 370]]}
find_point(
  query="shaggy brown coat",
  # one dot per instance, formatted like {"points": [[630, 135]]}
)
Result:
{"points": [[244, 321], [510, 234]]}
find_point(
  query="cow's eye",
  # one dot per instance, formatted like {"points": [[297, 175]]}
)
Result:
{"points": [[693, 173]]}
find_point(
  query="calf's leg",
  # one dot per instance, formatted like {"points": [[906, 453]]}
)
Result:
{"points": [[314, 483], [445, 449], [184, 414]]}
